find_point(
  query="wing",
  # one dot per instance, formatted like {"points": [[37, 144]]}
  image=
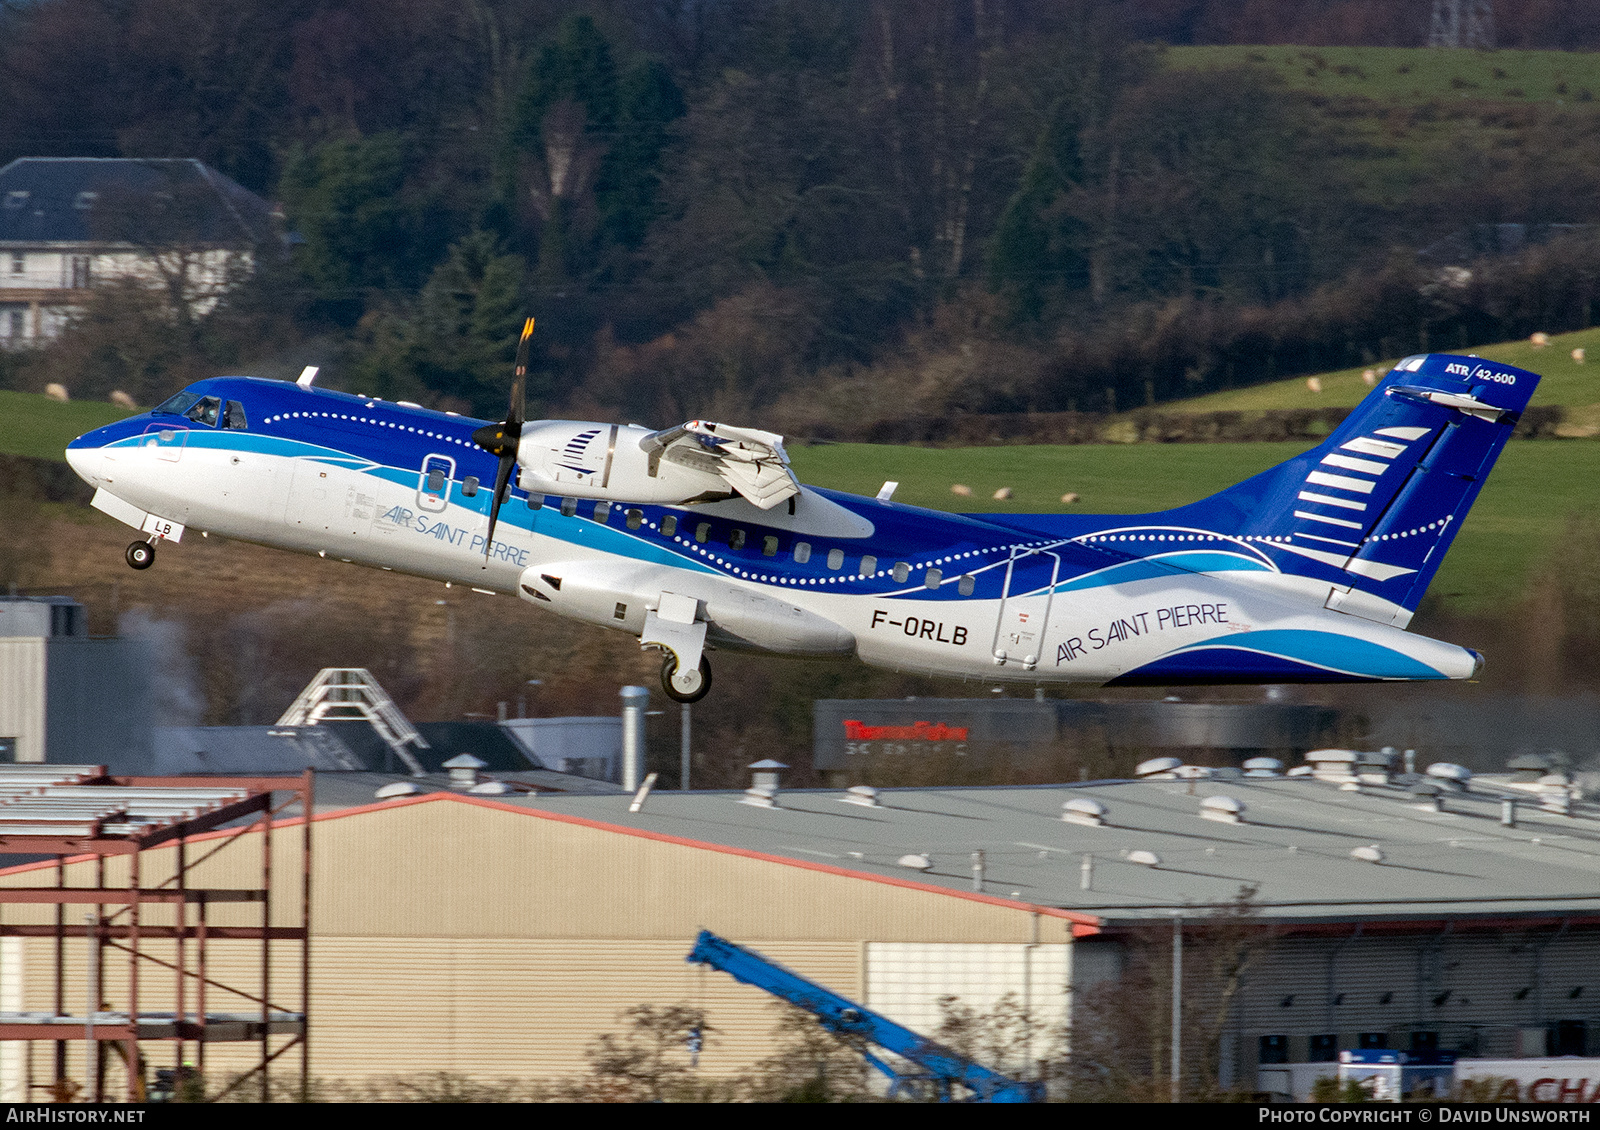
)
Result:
{"points": [[751, 462]]}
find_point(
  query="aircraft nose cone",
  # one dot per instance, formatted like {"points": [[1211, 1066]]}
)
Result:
{"points": [[86, 462]]}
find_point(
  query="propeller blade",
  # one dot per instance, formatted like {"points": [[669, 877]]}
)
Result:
{"points": [[502, 481], [502, 440]]}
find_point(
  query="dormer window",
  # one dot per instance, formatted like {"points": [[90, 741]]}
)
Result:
{"points": [[17, 198], [85, 201]]}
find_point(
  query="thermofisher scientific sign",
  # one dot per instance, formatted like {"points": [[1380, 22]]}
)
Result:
{"points": [[849, 731]]}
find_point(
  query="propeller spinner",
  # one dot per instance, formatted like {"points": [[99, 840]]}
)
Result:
{"points": [[501, 440]]}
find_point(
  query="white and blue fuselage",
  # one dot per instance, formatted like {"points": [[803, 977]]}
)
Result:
{"points": [[1308, 572]]}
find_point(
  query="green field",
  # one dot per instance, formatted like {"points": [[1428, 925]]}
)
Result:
{"points": [[39, 427], [1563, 381], [1413, 75]]}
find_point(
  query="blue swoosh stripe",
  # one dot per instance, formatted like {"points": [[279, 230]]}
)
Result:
{"points": [[1143, 569], [1328, 650]]}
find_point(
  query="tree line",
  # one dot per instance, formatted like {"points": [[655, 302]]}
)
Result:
{"points": [[783, 207]]}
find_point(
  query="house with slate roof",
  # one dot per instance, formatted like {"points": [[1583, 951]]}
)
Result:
{"points": [[70, 224]]}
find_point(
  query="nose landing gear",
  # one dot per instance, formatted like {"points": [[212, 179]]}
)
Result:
{"points": [[140, 555], [691, 686]]}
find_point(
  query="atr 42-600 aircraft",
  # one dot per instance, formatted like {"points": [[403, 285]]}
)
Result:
{"points": [[699, 537]]}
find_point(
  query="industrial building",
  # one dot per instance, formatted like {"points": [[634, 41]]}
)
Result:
{"points": [[478, 926]]}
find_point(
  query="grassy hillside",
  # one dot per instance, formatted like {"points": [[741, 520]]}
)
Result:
{"points": [[1414, 75], [1563, 381], [39, 427]]}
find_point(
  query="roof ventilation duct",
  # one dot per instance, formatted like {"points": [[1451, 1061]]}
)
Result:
{"points": [[464, 770], [1192, 772], [1157, 767], [760, 798], [1263, 767], [397, 789], [491, 788], [1458, 775], [1529, 767], [1147, 858], [764, 773], [1371, 853], [864, 795], [1338, 765], [916, 862], [1555, 794], [1375, 768], [1222, 808], [1429, 796], [1083, 810]]}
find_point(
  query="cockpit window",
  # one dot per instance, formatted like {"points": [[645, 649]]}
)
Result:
{"points": [[206, 411], [233, 416], [177, 405]]}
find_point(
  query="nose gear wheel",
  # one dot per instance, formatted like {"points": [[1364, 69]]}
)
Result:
{"points": [[691, 687]]}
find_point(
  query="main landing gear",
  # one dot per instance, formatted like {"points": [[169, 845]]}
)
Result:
{"points": [[691, 686], [141, 555]]}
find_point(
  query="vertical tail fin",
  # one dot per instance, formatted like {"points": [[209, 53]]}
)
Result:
{"points": [[1371, 511]]}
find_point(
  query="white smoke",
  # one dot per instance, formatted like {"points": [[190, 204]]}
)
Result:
{"points": [[176, 698]]}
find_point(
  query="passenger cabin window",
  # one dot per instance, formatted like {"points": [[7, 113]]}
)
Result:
{"points": [[802, 552], [569, 507], [602, 512], [934, 578], [702, 532], [735, 539], [469, 487], [635, 519], [966, 585], [205, 411], [901, 572], [869, 565], [769, 546], [435, 481], [836, 559], [669, 526], [233, 416]]}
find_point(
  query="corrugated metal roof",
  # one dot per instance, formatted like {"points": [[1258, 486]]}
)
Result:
{"points": [[1293, 844]]}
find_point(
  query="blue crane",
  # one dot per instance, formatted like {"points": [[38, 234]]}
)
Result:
{"points": [[939, 1065]]}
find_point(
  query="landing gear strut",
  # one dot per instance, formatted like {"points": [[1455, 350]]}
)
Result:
{"points": [[140, 555], [689, 687]]}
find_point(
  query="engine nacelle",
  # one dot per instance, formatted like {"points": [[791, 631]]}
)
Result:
{"points": [[607, 461], [617, 595], [695, 462]]}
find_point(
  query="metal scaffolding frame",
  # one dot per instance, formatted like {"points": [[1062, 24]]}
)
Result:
{"points": [[79, 813]]}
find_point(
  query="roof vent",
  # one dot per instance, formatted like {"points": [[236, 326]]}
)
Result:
{"points": [[397, 788], [1263, 767], [765, 773], [1083, 810], [1374, 767], [1148, 858], [1449, 771], [1333, 764], [864, 795], [464, 770], [1371, 853], [1429, 794], [1300, 771], [760, 798], [1529, 766], [1223, 808], [916, 862], [491, 788], [1156, 765], [1555, 795], [1192, 772]]}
